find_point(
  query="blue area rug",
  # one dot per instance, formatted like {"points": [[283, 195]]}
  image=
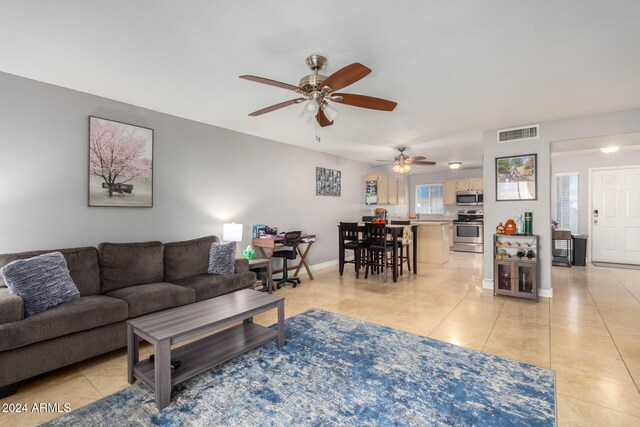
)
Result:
{"points": [[335, 370]]}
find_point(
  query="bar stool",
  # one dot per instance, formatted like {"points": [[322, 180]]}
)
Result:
{"points": [[350, 241], [402, 258], [378, 249]]}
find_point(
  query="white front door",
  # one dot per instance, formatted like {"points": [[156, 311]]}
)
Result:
{"points": [[615, 215]]}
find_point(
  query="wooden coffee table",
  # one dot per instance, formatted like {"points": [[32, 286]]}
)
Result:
{"points": [[179, 324]]}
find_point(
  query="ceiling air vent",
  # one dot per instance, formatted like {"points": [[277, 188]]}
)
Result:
{"points": [[518, 134]]}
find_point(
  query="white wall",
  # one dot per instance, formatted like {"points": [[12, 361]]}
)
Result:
{"points": [[581, 162], [203, 176], [583, 127], [439, 177]]}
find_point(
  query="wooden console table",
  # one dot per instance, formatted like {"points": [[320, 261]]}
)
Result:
{"points": [[271, 244]]}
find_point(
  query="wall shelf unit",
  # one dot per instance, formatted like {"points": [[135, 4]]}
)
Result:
{"points": [[515, 271]]}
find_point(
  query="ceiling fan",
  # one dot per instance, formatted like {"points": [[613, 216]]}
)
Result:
{"points": [[402, 163], [317, 90]]}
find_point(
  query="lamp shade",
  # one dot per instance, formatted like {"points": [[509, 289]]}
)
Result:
{"points": [[232, 232]]}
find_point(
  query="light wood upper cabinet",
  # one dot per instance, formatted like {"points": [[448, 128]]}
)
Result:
{"points": [[382, 187], [462, 184], [390, 191], [450, 192], [393, 191], [451, 186], [402, 193], [476, 184]]}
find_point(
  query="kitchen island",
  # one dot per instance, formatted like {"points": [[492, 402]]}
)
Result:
{"points": [[433, 241]]}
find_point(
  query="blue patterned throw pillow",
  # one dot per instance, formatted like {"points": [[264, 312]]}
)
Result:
{"points": [[42, 282], [222, 258]]}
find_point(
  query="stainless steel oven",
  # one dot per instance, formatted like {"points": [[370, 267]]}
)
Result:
{"points": [[469, 198], [468, 231]]}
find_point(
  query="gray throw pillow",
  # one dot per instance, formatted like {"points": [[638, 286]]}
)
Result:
{"points": [[222, 258], [42, 282]]}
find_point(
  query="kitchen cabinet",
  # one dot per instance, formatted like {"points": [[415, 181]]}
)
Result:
{"points": [[402, 193], [381, 185], [476, 184], [451, 186], [451, 236], [393, 191], [450, 192], [462, 184], [385, 190]]}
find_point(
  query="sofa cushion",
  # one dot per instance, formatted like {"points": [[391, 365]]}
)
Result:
{"points": [[78, 315], [143, 299], [187, 258], [82, 263], [11, 306], [42, 282], [129, 264], [222, 259], [210, 286]]}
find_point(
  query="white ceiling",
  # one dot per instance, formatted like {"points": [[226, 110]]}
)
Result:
{"points": [[455, 67]]}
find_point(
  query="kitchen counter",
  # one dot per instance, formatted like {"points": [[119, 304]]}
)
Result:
{"points": [[433, 241]]}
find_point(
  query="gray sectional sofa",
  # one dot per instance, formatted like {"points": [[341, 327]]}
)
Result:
{"points": [[117, 281]]}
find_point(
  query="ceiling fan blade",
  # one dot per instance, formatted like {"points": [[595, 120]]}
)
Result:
{"points": [[322, 119], [423, 162], [365, 101], [276, 107], [379, 166], [346, 76], [382, 161], [269, 82], [414, 159]]}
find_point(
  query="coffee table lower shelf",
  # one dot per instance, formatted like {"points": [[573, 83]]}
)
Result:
{"points": [[199, 356]]}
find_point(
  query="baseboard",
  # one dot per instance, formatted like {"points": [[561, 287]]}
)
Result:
{"points": [[545, 292], [487, 283], [319, 266]]}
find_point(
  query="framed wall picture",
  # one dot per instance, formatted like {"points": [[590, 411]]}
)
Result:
{"points": [[516, 178], [120, 164], [328, 182]]}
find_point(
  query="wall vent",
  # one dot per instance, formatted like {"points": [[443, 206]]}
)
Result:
{"points": [[518, 134]]}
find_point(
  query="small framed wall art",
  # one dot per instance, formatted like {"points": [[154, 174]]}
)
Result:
{"points": [[516, 178], [328, 182], [120, 164]]}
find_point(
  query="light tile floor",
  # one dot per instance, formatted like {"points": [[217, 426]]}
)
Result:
{"points": [[588, 333]]}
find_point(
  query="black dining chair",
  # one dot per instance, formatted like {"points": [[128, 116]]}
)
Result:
{"points": [[288, 251], [350, 240], [378, 249], [402, 256]]}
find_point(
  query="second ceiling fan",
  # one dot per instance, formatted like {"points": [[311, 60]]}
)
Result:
{"points": [[402, 163], [317, 90]]}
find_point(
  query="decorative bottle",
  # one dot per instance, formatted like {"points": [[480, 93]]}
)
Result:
{"points": [[519, 225]]}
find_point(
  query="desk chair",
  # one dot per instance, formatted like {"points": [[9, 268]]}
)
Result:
{"points": [[378, 249], [350, 241], [288, 251], [402, 257]]}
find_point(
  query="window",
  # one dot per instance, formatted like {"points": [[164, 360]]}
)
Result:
{"points": [[429, 199], [567, 201]]}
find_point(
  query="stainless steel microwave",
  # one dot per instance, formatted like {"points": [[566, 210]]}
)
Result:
{"points": [[469, 198]]}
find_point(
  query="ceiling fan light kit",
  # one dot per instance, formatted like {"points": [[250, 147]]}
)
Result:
{"points": [[402, 163], [318, 90], [455, 165]]}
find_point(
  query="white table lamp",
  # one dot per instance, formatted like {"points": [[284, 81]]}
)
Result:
{"points": [[232, 233]]}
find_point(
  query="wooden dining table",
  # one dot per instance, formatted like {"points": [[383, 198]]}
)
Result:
{"points": [[396, 232]]}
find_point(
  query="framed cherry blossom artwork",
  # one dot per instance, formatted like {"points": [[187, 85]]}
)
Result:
{"points": [[120, 164]]}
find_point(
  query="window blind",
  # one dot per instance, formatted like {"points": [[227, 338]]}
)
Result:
{"points": [[567, 201]]}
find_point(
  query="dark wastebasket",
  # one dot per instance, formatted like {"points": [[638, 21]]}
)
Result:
{"points": [[579, 250]]}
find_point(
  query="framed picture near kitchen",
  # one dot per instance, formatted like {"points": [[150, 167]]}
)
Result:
{"points": [[516, 178]]}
